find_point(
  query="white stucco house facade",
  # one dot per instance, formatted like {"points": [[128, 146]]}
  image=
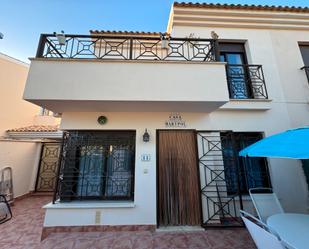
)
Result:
{"points": [[153, 122]]}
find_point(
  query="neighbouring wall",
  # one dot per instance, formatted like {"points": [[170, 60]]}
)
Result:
{"points": [[23, 158], [15, 112]]}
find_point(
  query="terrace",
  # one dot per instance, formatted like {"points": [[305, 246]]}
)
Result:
{"points": [[24, 231], [116, 73]]}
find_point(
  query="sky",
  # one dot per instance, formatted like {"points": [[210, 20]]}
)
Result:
{"points": [[22, 21]]}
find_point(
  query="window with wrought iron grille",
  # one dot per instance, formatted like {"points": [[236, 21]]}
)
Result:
{"points": [[97, 165], [247, 172]]}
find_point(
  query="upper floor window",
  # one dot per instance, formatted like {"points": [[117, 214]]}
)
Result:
{"points": [[253, 171], [233, 53], [244, 81], [304, 49], [235, 56]]}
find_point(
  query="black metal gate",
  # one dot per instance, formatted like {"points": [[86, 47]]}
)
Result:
{"points": [[220, 207], [46, 178]]}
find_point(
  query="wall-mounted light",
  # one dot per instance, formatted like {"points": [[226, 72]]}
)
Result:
{"points": [[146, 136]]}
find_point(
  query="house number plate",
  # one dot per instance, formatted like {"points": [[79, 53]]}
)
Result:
{"points": [[145, 157]]}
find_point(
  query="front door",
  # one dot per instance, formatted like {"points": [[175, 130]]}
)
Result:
{"points": [[178, 184]]}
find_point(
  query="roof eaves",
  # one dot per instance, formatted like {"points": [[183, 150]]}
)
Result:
{"points": [[242, 7]]}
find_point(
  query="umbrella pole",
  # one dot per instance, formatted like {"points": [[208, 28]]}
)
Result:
{"points": [[237, 169]]}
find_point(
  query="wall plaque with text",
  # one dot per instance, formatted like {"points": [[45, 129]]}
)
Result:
{"points": [[175, 121]]}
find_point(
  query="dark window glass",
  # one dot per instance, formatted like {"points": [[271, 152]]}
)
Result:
{"points": [[253, 170], [98, 165], [237, 74], [233, 58], [304, 49]]}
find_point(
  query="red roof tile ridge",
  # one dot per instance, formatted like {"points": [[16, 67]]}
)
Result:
{"points": [[125, 32], [243, 6], [36, 128]]}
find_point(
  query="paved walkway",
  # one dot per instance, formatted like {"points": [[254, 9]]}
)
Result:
{"points": [[24, 232]]}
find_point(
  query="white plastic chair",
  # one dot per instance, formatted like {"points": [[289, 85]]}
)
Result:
{"points": [[6, 183], [265, 202], [262, 236], [5, 210]]}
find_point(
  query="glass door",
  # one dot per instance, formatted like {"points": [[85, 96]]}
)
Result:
{"points": [[232, 58], [236, 69], [237, 75]]}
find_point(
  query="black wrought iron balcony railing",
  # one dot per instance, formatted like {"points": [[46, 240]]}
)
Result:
{"points": [[306, 69], [160, 48], [246, 81]]}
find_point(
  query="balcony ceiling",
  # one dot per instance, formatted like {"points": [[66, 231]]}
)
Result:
{"points": [[60, 106]]}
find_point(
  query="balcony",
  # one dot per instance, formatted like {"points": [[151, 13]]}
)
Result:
{"points": [[161, 48], [122, 73], [246, 81]]}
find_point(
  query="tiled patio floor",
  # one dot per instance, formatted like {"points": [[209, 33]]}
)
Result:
{"points": [[24, 232]]}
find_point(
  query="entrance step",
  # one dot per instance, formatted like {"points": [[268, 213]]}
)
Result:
{"points": [[42, 194], [179, 229]]}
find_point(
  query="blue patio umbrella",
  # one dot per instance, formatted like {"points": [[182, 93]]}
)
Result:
{"points": [[289, 144]]}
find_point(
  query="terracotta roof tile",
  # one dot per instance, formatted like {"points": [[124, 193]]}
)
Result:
{"points": [[36, 128], [125, 32], [243, 7]]}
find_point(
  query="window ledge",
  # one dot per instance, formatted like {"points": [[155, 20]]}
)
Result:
{"points": [[247, 104], [90, 204]]}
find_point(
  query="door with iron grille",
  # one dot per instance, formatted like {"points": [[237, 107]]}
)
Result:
{"points": [[225, 177], [178, 184], [46, 177], [220, 208]]}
